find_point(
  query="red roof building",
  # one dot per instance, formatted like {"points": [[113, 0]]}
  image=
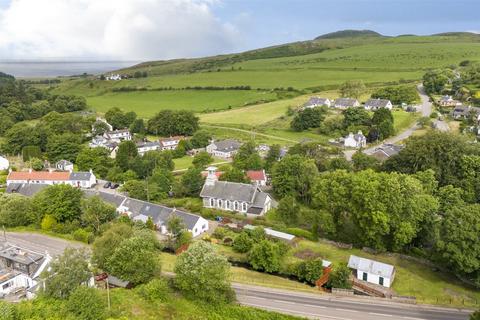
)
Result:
{"points": [[257, 176]]}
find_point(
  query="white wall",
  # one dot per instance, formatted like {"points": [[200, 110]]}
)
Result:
{"points": [[373, 278]]}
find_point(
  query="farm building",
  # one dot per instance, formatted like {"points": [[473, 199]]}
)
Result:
{"points": [[372, 271]]}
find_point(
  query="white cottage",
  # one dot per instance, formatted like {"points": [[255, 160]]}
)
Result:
{"points": [[355, 140], [372, 271], [4, 163]]}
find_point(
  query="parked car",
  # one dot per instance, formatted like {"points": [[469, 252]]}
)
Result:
{"points": [[114, 186], [107, 185]]}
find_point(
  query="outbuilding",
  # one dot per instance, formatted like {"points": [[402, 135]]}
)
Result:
{"points": [[372, 271]]}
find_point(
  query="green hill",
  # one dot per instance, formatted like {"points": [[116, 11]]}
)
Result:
{"points": [[279, 72], [349, 34]]}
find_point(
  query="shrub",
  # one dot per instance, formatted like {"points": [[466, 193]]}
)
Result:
{"points": [[86, 304], [82, 235], [219, 233], [242, 243], [155, 290], [309, 271], [340, 277], [48, 222], [8, 311], [265, 256], [301, 233]]}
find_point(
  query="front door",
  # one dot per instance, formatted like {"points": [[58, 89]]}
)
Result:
{"points": [[380, 281], [364, 276]]}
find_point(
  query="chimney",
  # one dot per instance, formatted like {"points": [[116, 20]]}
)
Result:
{"points": [[212, 176], [50, 170], [30, 170]]}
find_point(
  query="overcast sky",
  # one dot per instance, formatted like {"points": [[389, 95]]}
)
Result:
{"points": [[165, 29]]}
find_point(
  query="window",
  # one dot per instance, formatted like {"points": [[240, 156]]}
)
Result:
{"points": [[212, 202], [220, 203], [365, 276], [244, 206], [229, 205], [204, 227], [235, 206], [7, 285], [380, 281], [195, 230]]}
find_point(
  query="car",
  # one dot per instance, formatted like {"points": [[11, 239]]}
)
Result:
{"points": [[114, 186], [107, 185]]}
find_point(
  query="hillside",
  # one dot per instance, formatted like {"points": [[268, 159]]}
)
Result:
{"points": [[349, 34], [275, 73]]}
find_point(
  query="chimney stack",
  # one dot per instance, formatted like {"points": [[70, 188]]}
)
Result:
{"points": [[212, 176]]}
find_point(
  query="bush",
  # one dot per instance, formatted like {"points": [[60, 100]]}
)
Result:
{"points": [[155, 290], [309, 271], [82, 235], [86, 304], [265, 256], [48, 222], [219, 233], [301, 233], [340, 277], [8, 311], [242, 243]]}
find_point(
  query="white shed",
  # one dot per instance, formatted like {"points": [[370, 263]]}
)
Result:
{"points": [[4, 164], [372, 271]]}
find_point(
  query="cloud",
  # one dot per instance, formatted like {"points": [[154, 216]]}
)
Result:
{"points": [[124, 29]]}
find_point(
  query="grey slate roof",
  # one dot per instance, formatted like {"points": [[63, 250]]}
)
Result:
{"points": [[230, 191], [133, 205], [377, 103], [348, 102], [113, 199], [315, 101], [227, 145], [64, 163], [80, 176], [371, 266], [144, 144], [386, 151], [26, 189]]}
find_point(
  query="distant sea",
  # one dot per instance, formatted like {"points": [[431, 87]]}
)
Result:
{"points": [[50, 69]]}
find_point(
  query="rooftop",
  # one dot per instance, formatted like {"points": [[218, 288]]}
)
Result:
{"points": [[371, 266]]}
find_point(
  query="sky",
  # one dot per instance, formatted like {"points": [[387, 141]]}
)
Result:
{"points": [[167, 29]]}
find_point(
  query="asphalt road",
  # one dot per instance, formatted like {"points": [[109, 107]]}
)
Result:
{"points": [[340, 308], [39, 242]]}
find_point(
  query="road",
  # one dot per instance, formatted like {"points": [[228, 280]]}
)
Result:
{"points": [[339, 308], [290, 302], [425, 110], [39, 242]]}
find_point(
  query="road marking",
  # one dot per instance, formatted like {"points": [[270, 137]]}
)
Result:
{"points": [[381, 314], [414, 318], [340, 309], [312, 305]]}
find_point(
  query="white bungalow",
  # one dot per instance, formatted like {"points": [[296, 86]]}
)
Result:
{"points": [[372, 271]]}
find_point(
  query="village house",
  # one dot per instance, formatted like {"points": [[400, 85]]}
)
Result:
{"points": [[257, 177], [223, 149], [448, 101], [113, 77], [375, 104], [317, 102], [464, 112], [139, 210], [25, 189], [233, 196], [102, 142], [145, 146], [372, 271], [4, 163], [344, 103], [118, 135], [20, 270], [64, 165], [170, 143], [357, 140], [75, 179], [386, 151]]}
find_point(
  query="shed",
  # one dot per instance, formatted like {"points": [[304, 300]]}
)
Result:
{"points": [[372, 271]]}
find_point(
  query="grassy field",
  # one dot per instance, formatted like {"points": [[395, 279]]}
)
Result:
{"points": [[148, 103], [186, 162]]}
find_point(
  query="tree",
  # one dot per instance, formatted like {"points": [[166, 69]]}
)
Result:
{"points": [[273, 155], [309, 271], [14, 210], [288, 210], [202, 159], [105, 245], [134, 260], [200, 139], [96, 212], [265, 256], [29, 152], [36, 164], [61, 201], [86, 304], [66, 273], [434, 81], [362, 161], [138, 126], [171, 123], [192, 182], [356, 117], [234, 174], [242, 243], [175, 226], [126, 154], [99, 128], [247, 157], [458, 243], [96, 159], [294, 175], [159, 184], [397, 94], [203, 274], [118, 119], [308, 118], [340, 277], [65, 146], [352, 89]]}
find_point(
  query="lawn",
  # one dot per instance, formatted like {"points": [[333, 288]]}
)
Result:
{"points": [[403, 120], [148, 103], [186, 162]]}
